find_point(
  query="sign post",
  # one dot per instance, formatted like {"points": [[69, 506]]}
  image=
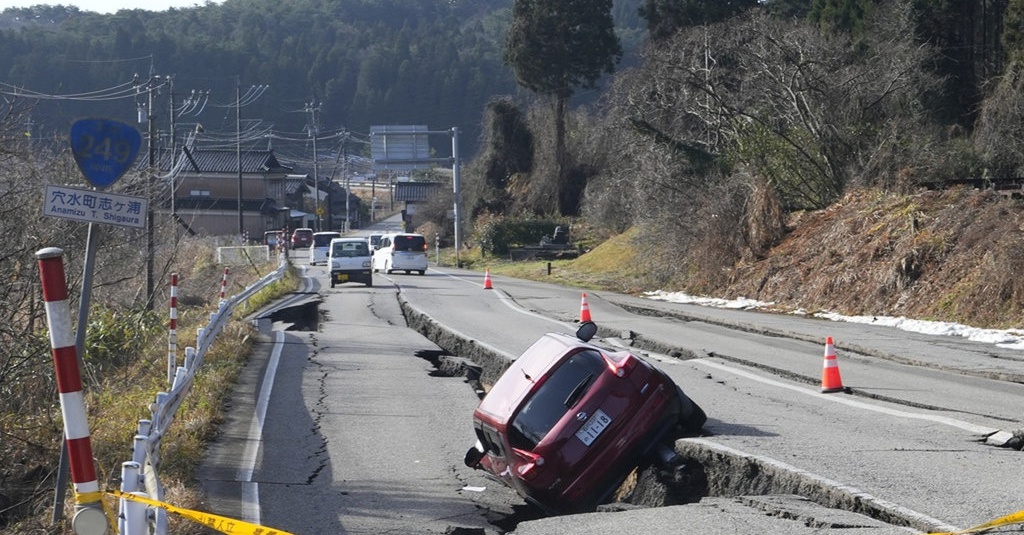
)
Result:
{"points": [[104, 150]]}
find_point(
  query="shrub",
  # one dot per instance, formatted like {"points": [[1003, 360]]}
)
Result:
{"points": [[497, 235]]}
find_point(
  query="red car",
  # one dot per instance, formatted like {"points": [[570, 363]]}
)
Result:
{"points": [[567, 421], [302, 238]]}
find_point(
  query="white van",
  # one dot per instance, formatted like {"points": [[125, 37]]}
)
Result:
{"points": [[401, 252], [321, 244], [349, 261]]}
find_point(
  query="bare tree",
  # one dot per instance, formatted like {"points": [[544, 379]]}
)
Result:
{"points": [[725, 128], [1000, 129], [797, 105]]}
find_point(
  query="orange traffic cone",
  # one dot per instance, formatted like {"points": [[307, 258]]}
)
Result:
{"points": [[830, 380], [584, 309], [487, 279]]}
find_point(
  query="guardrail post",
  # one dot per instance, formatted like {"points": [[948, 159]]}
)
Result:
{"points": [[132, 518], [180, 376], [139, 450], [89, 518], [190, 357]]}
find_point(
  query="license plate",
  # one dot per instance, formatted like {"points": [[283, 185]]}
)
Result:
{"points": [[341, 277], [593, 428]]}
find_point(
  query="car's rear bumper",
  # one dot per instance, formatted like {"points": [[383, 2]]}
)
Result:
{"points": [[602, 473], [351, 275]]}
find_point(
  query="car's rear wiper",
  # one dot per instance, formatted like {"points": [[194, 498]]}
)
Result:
{"points": [[577, 392]]}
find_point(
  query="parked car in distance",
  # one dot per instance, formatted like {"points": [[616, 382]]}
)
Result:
{"points": [[349, 261], [273, 238], [568, 421], [401, 252], [320, 246], [302, 237]]}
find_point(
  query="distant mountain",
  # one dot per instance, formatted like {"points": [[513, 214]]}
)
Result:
{"points": [[357, 62]]}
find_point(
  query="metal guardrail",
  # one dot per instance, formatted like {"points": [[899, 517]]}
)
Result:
{"points": [[140, 475]]}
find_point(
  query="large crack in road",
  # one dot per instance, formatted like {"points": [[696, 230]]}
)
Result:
{"points": [[707, 470]]}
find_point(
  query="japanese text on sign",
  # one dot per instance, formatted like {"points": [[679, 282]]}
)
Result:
{"points": [[95, 207]]}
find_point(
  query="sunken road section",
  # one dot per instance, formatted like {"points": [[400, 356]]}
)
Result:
{"points": [[706, 469]]}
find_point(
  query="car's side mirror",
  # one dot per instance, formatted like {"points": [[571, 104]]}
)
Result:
{"points": [[586, 331], [473, 457]]}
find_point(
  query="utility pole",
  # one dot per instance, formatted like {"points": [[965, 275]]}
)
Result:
{"points": [[348, 181], [174, 159], [456, 192], [147, 115], [238, 153], [313, 108], [151, 176], [251, 95]]}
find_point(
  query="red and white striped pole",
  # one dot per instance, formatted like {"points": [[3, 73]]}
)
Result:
{"points": [[69, 386], [172, 335], [224, 284]]}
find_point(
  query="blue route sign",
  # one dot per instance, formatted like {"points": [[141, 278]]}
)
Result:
{"points": [[104, 149]]}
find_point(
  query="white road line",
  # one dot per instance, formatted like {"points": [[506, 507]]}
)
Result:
{"points": [[250, 495], [509, 302], [952, 422]]}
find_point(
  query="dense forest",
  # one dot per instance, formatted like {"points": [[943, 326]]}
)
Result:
{"points": [[360, 63]]}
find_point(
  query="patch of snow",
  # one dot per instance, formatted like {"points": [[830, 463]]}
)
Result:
{"points": [[1010, 339]]}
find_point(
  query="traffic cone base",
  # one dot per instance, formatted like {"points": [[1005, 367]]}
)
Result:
{"points": [[830, 379], [584, 309], [487, 279]]}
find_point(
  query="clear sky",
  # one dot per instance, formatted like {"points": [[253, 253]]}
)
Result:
{"points": [[109, 6]]}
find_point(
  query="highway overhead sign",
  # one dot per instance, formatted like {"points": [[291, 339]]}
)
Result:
{"points": [[104, 149], [95, 206]]}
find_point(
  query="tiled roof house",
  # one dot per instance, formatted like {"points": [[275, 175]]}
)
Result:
{"points": [[212, 196], [414, 194]]}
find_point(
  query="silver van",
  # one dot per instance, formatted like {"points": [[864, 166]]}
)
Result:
{"points": [[320, 245], [349, 261], [401, 252]]}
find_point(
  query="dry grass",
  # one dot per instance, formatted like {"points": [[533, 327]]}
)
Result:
{"points": [[118, 394], [940, 255], [614, 264], [948, 256]]}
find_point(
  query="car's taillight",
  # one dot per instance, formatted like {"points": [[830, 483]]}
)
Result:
{"points": [[621, 364], [533, 462]]}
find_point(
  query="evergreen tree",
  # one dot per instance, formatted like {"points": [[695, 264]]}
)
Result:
{"points": [[665, 17], [949, 25], [1013, 30], [789, 9], [841, 15], [555, 46]]}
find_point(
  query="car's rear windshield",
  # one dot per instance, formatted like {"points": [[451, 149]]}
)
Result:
{"points": [[560, 391], [409, 243], [324, 240], [349, 249]]}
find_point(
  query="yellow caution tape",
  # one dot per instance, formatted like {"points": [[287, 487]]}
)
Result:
{"points": [[222, 524], [83, 498], [1015, 518]]}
